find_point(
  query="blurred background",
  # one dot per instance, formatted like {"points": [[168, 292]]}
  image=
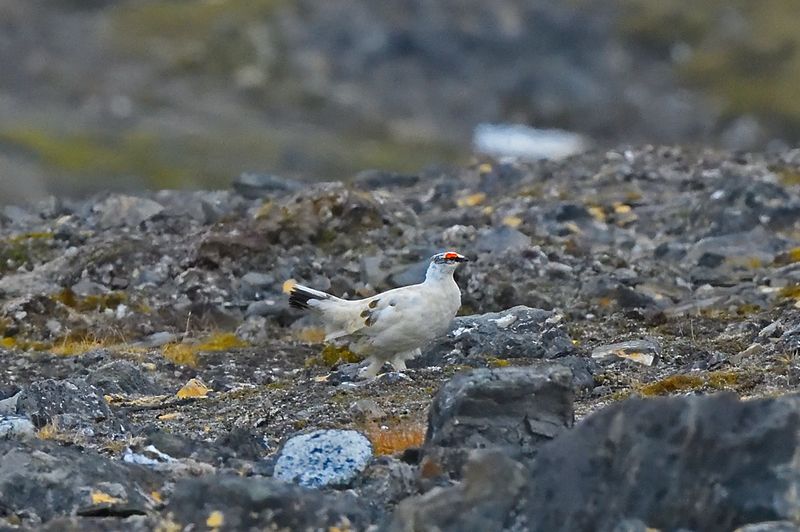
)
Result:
{"points": [[127, 94]]}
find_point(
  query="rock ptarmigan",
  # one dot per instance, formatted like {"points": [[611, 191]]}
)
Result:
{"points": [[391, 326]]}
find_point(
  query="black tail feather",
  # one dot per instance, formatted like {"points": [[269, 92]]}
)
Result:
{"points": [[299, 298]]}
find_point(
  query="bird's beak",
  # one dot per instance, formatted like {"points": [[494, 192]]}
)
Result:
{"points": [[462, 258]]}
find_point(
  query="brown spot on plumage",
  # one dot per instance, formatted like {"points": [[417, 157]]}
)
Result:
{"points": [[373, 303], [365, 313]]}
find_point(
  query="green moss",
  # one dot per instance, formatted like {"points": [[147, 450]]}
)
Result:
{"points": [[715, 380], [99, 156], [90, 303], [24, 250], [789, 177]]}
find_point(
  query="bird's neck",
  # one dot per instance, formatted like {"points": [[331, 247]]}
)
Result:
{"points": [[436, 274]]}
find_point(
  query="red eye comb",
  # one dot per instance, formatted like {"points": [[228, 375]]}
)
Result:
{"points": [[451, 255]]}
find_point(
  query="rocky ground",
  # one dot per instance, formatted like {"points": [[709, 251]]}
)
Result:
{"points": [[154, 377]]}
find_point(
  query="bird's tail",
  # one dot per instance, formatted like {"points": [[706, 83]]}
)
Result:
{"points": [[299, 296]]}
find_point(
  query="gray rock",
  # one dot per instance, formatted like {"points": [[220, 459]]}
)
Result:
{"points": [[501, 239], [769, 526], [130, 211], [16, 427], [644, 352], [366, 409], [515, 409], [259, 280], [123, 377], [324, 458], [262, 503], [374, 179], [519, 332], [157, 339], [254, 186], [9, 404], [700, 463], [482, 501], [40, 480], [44, 401], [386, 482], [267, 307]]}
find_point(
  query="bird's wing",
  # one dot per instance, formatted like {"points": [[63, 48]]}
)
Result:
{"points": [[374, 315]]}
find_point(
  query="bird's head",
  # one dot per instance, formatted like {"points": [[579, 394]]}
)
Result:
{"points": [[445, 263]]}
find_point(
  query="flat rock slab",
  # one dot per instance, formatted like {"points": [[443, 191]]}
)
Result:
{"points": [[518, 332], [515, 409]]}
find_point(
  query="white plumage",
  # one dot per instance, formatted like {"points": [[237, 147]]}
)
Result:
{"points": [[394, 325]]}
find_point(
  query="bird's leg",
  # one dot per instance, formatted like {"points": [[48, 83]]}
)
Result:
{"points": [[371, 371], [399, 360]]}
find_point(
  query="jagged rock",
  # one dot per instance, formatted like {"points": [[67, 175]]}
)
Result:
{"points": [[66, 403], [40, 480], [515, 409], [120, 210], [385, 482], [323, 458], [519, 332], [257, 503], [482, 501], [699, 463], [123, 377]]}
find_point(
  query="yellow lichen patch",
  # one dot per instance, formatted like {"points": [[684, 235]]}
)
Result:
{"points": [[100, 497], [186, 354], [156, 496], [484, 168], [790, 292], [170, 416], [215, 519], [221, 342], [749, 262], [68, 347], [310, 335], [512, 221], [181, 354], [288, 285], [332, 355], [194, 389], [168, 525], [91, 302], [51, 432], [472, 200], [8, 342], [394, 439], [622, 208], [789, 257], [598, 213], [495, 362], [789, 177], [264, 211]]}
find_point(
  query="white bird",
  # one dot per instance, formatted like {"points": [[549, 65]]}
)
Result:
{"points": [[391, 326]]}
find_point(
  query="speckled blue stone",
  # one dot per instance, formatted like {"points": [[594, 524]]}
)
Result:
{"points": [[323, 458]]}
